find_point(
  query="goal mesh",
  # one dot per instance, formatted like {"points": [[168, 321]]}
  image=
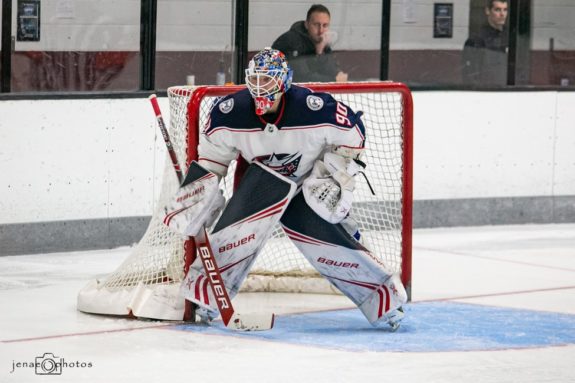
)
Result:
{"points": [[384, 218]]}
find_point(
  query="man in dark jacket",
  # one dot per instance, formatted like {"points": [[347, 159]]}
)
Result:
{"points": [[485, 55], [306, 46]]}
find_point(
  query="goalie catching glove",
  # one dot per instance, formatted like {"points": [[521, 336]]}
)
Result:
{"points": [[329, 188], [195, 205]]}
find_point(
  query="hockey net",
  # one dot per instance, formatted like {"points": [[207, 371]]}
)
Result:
{"points": [[147, 283]]}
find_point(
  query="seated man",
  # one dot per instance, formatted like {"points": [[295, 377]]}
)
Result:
{"points": [[306, 46]]}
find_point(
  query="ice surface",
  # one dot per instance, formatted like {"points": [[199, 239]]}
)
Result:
{"points": [[490, 304]]}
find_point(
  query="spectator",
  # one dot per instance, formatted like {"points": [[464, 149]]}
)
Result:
{"points": [[307, 48], [485, 54]]}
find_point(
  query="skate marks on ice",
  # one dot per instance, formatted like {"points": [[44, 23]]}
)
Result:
{"points": [[427, 327]]}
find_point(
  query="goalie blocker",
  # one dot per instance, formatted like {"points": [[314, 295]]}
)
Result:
{"points": [[262, 198]]}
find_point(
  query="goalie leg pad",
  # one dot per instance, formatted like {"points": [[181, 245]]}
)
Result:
{"points": [[345, 262], [196, 288], [197, 202], [241, 232], [381, 306]]}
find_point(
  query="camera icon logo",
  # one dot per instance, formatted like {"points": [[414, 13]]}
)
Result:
{"points": [[48, 364]]}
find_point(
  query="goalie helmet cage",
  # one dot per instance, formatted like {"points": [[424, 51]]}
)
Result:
{"points": [[147, 283]]}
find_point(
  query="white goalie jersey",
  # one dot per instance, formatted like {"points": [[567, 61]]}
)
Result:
{"points": [[289, 142]]}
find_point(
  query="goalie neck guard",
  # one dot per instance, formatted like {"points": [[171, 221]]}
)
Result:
{"points": [[268, 77]]}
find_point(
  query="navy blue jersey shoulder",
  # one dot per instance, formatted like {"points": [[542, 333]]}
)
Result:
{"points": [[304, 108], [235, 111]]}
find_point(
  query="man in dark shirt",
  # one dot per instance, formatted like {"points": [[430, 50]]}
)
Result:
{"points": [[485, 55], [306, 46]]}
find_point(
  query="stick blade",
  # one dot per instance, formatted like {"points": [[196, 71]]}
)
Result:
{"points": [[251, 322]]}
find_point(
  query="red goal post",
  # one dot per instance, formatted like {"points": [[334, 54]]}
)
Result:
{"points": [[147, 283]]}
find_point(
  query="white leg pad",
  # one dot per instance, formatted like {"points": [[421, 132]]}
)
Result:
{"points": [[380, 305], [356, 274], [196, 288], [345, 262], [240, 233]]}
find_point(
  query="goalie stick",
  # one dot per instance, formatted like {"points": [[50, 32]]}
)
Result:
{"points": [[167, 141], [231, 319]]}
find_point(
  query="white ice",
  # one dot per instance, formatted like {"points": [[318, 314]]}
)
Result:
{"points": [[528, 267]]}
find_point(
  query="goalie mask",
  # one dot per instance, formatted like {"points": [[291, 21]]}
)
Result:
{"points": [[268, 77]]}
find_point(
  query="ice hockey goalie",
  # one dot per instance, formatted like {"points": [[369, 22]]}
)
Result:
{"points": [[303, 150]]}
